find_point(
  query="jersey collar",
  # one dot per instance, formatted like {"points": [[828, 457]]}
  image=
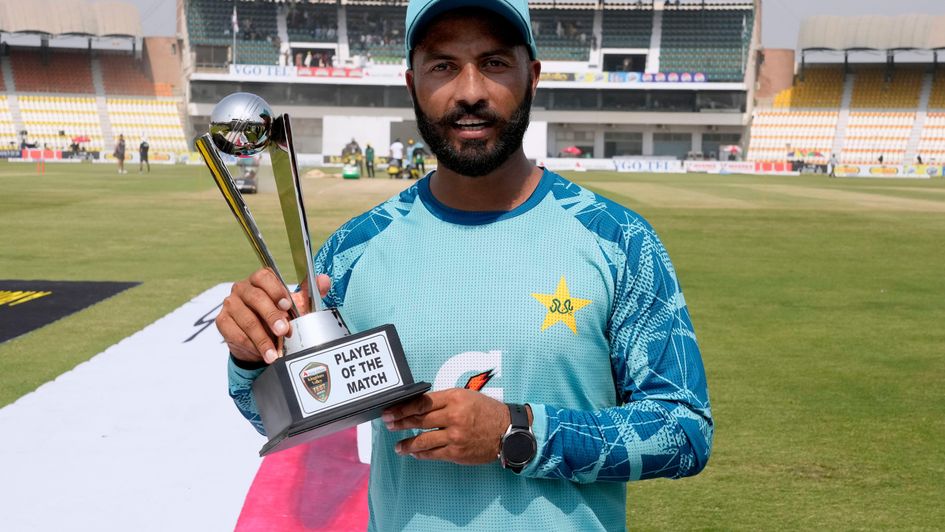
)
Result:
{"points": [[459, 217]]}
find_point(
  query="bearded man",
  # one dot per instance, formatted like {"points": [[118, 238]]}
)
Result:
{"points": [[549, 319]]}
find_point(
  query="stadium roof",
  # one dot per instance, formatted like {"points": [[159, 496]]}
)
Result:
{"points": [[872, 32], [70, 17]]}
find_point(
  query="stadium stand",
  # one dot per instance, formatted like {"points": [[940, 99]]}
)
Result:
{"points": [[871, 89], [881, 120], [54, 121], [870, 135], [156, 120], [122, 75], [794, 135], [937, 95], [712, 41], [563, 34], [59, 72], [821, 87], [7, 127], [210, 23], [377, 31], [312, 22], [626, 28], [932, 143]]}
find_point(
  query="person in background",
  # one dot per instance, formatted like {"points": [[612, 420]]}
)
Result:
{"points": [[120, 154], [369, 160], [832, 165], [143, 153], [416, 151], [397, 154]]}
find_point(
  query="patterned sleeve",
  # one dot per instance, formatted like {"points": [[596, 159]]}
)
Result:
{"points": [[663, 428], [241, 391]]}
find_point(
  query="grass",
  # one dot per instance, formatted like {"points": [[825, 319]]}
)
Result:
{"points": [[818, 306]]}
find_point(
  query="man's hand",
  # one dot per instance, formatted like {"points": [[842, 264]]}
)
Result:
{"points": [[255, 316], [470, 426]]}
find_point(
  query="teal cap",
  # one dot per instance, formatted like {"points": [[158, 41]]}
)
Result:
{"points": [[420, 12]]}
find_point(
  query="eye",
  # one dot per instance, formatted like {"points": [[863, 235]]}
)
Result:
{"points": [[494, 63], [440, 67]]}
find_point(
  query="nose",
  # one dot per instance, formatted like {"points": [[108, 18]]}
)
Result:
{"points": [[470, 86]]}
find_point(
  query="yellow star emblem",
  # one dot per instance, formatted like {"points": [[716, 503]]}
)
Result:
{"points": [[561, 306]]}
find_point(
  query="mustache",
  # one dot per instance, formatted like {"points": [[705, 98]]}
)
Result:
{"points": [[480, 110]]}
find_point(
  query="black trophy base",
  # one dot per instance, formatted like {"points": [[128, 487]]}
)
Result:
{"points": [[333, 386], [340, 419]]}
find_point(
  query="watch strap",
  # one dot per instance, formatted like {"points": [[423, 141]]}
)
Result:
{"points": [[518, 416]]}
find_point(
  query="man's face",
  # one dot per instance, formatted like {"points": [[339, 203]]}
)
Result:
{"points": [[472, 91]]}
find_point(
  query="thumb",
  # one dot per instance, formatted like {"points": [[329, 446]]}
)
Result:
{"points": [[324, 283]]}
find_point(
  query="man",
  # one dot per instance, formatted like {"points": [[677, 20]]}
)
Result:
{"points": [[143, 149], [352, 154], [415, 153], [832, 165], [120, 153], [548, 319], [396, 157], [369, 160]]}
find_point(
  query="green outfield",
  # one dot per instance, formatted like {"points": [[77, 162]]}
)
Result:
{"points": [[818, 304]]}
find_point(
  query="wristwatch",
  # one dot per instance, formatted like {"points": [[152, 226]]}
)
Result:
{"points": [[518, 443]]}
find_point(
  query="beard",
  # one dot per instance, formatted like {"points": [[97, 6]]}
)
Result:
{"points": [[473, 157]]}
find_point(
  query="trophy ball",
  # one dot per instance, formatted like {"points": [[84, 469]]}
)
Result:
{"points": [[240, 125]]}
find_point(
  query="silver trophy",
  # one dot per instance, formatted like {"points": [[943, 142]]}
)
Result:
{"points": [[328, 379]]}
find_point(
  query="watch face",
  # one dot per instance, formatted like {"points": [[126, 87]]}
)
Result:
{"points": [[519, 447]]}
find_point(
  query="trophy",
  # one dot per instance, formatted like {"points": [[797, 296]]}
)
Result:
{"points": [[327, 379]]}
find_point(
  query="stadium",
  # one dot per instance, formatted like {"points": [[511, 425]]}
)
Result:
{"points": [[799, 190]]}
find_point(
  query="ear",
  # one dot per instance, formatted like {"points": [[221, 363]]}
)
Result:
{"points": [[408, 75], [535, 67]]}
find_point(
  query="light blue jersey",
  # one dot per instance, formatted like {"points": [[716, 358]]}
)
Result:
{"points": [[568, 303]]}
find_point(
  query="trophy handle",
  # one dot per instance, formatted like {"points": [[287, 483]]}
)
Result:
{"points": [[286, 173], [223, 179]]}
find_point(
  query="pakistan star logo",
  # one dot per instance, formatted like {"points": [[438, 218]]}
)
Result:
{"points": [[561, 306]]}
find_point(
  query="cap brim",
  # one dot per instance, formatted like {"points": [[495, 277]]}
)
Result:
{"points": [[502, 8]]}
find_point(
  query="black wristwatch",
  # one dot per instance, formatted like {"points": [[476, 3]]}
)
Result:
{"points": [[518, 443]]}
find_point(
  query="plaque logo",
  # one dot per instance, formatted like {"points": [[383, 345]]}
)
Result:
{"points": [[317, 380]]}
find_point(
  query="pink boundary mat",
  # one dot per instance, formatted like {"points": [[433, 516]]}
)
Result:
{"points": [[320, 485]]}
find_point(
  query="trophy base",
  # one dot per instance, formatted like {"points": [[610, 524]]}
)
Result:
{"points": [[329, 387], [340, 419]]}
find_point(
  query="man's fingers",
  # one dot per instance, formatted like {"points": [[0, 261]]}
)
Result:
{"points": [[265, 308], [266, 280], [415, 407], [434, 419], [248, 324], [242, 347], [427, 441]]}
